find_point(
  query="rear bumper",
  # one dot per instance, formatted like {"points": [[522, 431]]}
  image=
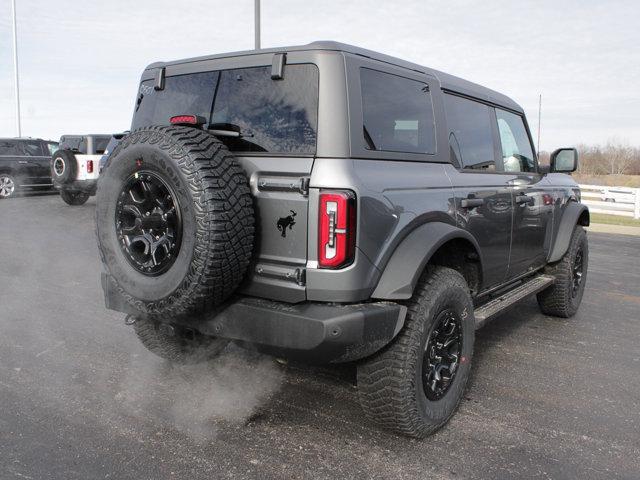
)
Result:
{"points": [[309, 331]]}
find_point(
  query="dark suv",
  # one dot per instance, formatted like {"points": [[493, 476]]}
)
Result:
{"points": [[24, 163], [333, 204]]}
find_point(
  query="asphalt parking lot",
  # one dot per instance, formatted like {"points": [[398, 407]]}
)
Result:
{"points": [[81, 399]]}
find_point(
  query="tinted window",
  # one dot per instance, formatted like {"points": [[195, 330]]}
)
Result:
{"points": [[182, 94], [100, 144], [9, 148], [32, 149], [279, 116], [51, 147], [273, 115], [397, 113], [517, 154], [470, 134]]}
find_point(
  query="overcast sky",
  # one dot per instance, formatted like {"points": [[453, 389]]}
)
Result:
{"points": [[80, 61]]}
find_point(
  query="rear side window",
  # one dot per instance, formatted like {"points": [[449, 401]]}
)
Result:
{"points": [[182, 94], [397, 113], [517, 154], [9, 148], [32, 149], [470, 134], [275, 116]]}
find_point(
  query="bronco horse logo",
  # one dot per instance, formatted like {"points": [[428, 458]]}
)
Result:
{"points": [[285, 222]]}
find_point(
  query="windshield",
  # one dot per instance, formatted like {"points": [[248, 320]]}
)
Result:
{"points": [[276, 116]]}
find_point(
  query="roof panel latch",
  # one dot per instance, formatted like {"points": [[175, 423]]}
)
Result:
{"points": [[159, 79], [277, 66]]}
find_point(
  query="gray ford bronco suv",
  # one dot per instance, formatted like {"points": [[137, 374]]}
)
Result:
{"points": [[332, 204]]}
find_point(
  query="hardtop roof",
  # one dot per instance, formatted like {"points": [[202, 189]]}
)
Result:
{"points": [[447, 81]]}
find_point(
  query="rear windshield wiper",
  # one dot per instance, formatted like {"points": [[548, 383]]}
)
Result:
{"points": [[227, 130]]}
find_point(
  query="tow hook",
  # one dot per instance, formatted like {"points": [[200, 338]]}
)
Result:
{"points": [[129, 320]]}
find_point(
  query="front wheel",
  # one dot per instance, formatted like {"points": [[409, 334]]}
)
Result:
{"points": [[177, 346], [415, 384], [563, 298], [74, 198]]}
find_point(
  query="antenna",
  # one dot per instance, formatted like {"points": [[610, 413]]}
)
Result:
{"points": [[257, 23], [15, 66], [539, 116]]}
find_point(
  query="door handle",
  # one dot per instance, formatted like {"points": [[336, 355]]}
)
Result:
{"points": [[22, 161], [525, 199], [471, 202]]}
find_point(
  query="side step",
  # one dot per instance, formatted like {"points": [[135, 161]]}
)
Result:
{"points": [[506, 300]]}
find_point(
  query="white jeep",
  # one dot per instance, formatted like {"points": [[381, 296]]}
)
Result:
{"points": [[75, 166]]}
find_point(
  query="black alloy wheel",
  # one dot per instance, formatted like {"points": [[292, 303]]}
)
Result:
{"points": [[442, 355], [148, 223], [577, 272]]}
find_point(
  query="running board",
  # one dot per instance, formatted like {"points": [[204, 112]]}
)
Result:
{"points": [[506, 300]]}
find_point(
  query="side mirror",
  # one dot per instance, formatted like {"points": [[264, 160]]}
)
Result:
{"points": [[564, 160]]}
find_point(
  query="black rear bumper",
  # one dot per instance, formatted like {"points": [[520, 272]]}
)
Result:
{"points": [[312, 332]]}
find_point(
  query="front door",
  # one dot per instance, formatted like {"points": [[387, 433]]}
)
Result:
{"points": [[532, 199]]}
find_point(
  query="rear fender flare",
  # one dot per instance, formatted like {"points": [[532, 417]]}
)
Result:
{"points": [[411, 256], [574, 214]]}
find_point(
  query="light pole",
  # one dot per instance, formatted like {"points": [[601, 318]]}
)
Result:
{"points": [[257, 23], [15, 66]]}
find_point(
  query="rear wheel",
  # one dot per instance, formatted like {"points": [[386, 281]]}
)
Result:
{"points": [[7, 185], [563, 298], [74, 198], [415, 384], [177, 346]]}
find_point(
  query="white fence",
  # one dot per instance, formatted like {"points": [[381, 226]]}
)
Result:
{"points": [[612, 200]]}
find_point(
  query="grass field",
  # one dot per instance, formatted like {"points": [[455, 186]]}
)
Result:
{"points": [[614, 220], [610, 180]]}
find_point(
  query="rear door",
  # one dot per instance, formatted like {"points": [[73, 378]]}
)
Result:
{"points": [[483, 200], [270, 124], [36, 161], [278, 121]]}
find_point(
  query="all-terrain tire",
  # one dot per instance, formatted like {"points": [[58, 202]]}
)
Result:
{"points": [[74, 198], [212, 195], [561, 299], [64, 168], [390, 384], [178, 348]]}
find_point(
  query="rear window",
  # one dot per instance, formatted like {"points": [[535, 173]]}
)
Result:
{"points": [[100, 144], [397, 113], [275, 116]]}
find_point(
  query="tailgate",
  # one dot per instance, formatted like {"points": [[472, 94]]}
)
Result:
{"points": [[280, 193]]}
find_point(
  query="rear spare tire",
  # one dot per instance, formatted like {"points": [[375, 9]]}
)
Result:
{"points": [[174, 220], [64, 168], [74, 198]]}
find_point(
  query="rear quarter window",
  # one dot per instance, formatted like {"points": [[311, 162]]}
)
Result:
{"points": [[397, 113]]}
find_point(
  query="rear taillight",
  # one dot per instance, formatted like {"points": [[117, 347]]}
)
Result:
{"points": [[336, 229], [89, 166]]}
